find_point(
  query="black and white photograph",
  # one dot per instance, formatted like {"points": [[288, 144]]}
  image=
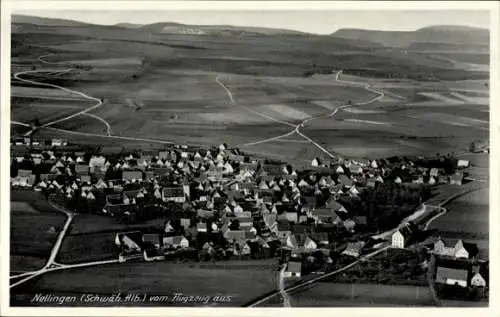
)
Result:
{"points": [[247, 157]]}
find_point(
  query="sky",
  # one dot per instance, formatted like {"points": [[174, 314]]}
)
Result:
{"points": [[312, 21]]}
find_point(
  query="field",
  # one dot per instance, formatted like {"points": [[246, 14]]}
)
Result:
{"points": [[33, 229], [358, 295], [242, 284], [209, 89], [92, 238]]}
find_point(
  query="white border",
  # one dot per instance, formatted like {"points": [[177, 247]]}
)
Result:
{"points": [[9, 5]]}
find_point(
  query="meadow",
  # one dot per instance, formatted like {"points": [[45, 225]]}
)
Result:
{"points": [[34, 226], [242, 284], [327, 294]]}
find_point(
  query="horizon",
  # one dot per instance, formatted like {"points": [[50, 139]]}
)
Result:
{"points": [[314, 22]]}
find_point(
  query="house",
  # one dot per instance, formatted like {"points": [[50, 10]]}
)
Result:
{"points": [[355, 169], [315, 162], [206, 214], [459, 250], [129, 244], [400, 239], [241, 248], [463, 163], [451, 276], [323, 215], [464, 250], [175, 194], [176, 242], [434, 172], [477, 280], [24, 173], [185, 222], [235, 235], [85, 179], [58, 142], [82, 169], [304, 241], [132, 176], [320, 238], [354, 248], [152, 240], [457, 178], [345, 181], [201, 227], [360, 220], [293, 269]]}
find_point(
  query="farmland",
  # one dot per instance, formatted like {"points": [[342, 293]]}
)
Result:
{"points": [[164, 87], [241, 283], [33, 230], [326, 294]]}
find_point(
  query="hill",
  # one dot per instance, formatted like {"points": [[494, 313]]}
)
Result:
{"points": [[128, 25], [41, 21], [433, 34], [222, 30]]}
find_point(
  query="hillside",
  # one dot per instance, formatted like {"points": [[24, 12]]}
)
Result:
{"points": [[41, 21], [223, 30], [432, 34]]}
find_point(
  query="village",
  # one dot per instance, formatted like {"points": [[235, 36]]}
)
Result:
{"points": [[219, 204]]}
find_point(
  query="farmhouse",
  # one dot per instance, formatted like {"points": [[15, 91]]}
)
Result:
{"points": [[293, 269], [176, 242], [402, 237], [451, 276], [457, 178], [463, 163], [459, 250], [354, 248], [82, 169]]}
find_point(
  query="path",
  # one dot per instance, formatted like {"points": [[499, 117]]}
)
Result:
{"points": [[296, 129], [281, 287], [98, 102]]}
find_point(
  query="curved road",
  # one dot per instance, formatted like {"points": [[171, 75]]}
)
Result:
{"points": [[97, 101], [296, 128]]}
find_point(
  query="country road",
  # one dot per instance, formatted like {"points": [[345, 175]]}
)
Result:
{"points": [[98, 102], [281, 287], [53, 253], [296, 129]]}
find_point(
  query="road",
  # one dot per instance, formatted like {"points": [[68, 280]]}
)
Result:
{"points": [[53, 253], [297, 127], [98, 102], [281, 287]]}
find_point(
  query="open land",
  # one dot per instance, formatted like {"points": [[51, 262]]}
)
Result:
{"points": [[204, 90], [34, 227], [159, 278]]}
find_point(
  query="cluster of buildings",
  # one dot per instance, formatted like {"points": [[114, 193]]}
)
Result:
{"points": [[217, 200]]}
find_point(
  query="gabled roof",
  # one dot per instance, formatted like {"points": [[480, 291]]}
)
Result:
{"points": [[444, 273], [173, 191], [295, 267]]}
